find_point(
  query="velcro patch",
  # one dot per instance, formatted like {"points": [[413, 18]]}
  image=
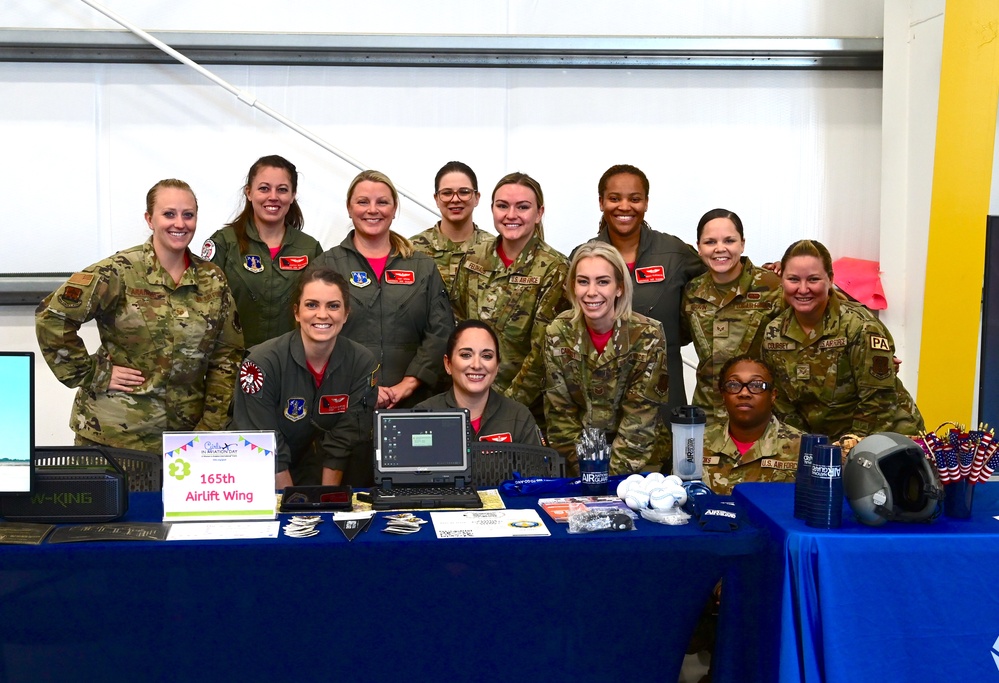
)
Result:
{"points": [[838, 342], [502, 437], [751, 305], [293, 262], [399, 277], [565, 351], [251, 377], [71, 297], [82, 279], [475, 267], [525, 280], [879, 343], [333, 404], [881, 367], [208, 250], [650, 274], [774, 464], [778, 346], [295, 410]]}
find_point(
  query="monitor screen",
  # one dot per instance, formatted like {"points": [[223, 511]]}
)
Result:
{"points": [[421, 442], [17, 420]]}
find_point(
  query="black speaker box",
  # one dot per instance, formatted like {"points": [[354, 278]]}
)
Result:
{"points": [[91, 493]]}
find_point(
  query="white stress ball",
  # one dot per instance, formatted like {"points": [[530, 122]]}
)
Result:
{"points": [[623, 488], [665, 502], [658, 493], [655, 478], [680, 494], [673, 479], [637, 499]]}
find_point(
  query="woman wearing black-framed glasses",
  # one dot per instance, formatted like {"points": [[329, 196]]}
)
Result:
{"points": [[456, 191], [751, 444]]}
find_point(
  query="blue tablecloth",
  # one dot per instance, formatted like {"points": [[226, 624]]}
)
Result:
{"points": [[611, 607], [901, 602]]}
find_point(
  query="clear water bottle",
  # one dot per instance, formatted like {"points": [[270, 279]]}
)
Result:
{"points": [[688, 442], [802, 477], [825, 509]]}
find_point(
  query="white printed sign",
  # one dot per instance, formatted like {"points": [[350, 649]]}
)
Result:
{"points": [[218, 476]]}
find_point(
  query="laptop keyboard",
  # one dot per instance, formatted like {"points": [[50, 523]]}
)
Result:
{"points": [[424, 497]]}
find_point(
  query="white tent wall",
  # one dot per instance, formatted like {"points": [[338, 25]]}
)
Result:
{"points": [[795, 153]]}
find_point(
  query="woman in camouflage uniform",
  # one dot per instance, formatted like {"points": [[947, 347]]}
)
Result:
{"points": [[170, 337], [750, 444], [606, 367], [514, 283], [264, 250], [726, 309], [456, 191], [833, 359]]}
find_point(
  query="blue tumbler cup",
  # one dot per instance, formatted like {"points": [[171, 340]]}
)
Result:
{"points": [[593, 476], [802, 477], [826, 488]]}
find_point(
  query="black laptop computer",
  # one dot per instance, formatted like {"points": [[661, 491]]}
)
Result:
{"points": [[423, 460]]}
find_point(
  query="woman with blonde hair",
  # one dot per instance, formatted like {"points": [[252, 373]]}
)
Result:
{"points": [[833, 360], [399, 307], [606, 366]]}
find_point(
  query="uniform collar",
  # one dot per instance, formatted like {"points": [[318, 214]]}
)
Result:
{"points": [[297, 350], [157, 275]]}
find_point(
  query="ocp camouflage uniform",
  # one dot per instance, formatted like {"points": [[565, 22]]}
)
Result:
{"points": [[663, 266], [727, 321], [774, 456], [446, 253], [184, 339], [261, 285], [840, 378], [519, 302], [619, 391]]}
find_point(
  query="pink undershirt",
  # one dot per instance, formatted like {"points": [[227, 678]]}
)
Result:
{"points": [[631, 266], [317, 375], [476, 423], [378, 265], [741, 446], [274, 251], [600, 339], [499, 252]]}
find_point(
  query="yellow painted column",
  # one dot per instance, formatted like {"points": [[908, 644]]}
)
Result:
{"points": [[962, 180]]}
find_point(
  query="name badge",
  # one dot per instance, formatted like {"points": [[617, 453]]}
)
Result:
{"points": [[333, 404], [650, 274], [503, 437], [293, 262], [400, 277]]}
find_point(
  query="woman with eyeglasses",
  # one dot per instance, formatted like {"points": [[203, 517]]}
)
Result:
{"points": [[750, 444], [313, 387], [456, 191], [726, 309], [606, 367], [514, 283], [832, 359]]}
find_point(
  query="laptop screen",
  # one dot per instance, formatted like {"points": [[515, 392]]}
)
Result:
{"points": [[421, 442]]}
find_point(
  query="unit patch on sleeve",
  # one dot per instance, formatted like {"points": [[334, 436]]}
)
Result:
{"points": [[208, 250], [879, 343], [251, 377], [881, 367]]}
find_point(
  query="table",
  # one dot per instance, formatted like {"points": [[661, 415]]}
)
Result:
{"points": [[900, 602], [613, 606]]}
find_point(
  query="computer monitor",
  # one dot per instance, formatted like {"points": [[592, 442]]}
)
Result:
{"points": [[17, 421]]}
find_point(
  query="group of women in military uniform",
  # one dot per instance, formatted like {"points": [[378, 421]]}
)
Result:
{"points": [[370, 323]]}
